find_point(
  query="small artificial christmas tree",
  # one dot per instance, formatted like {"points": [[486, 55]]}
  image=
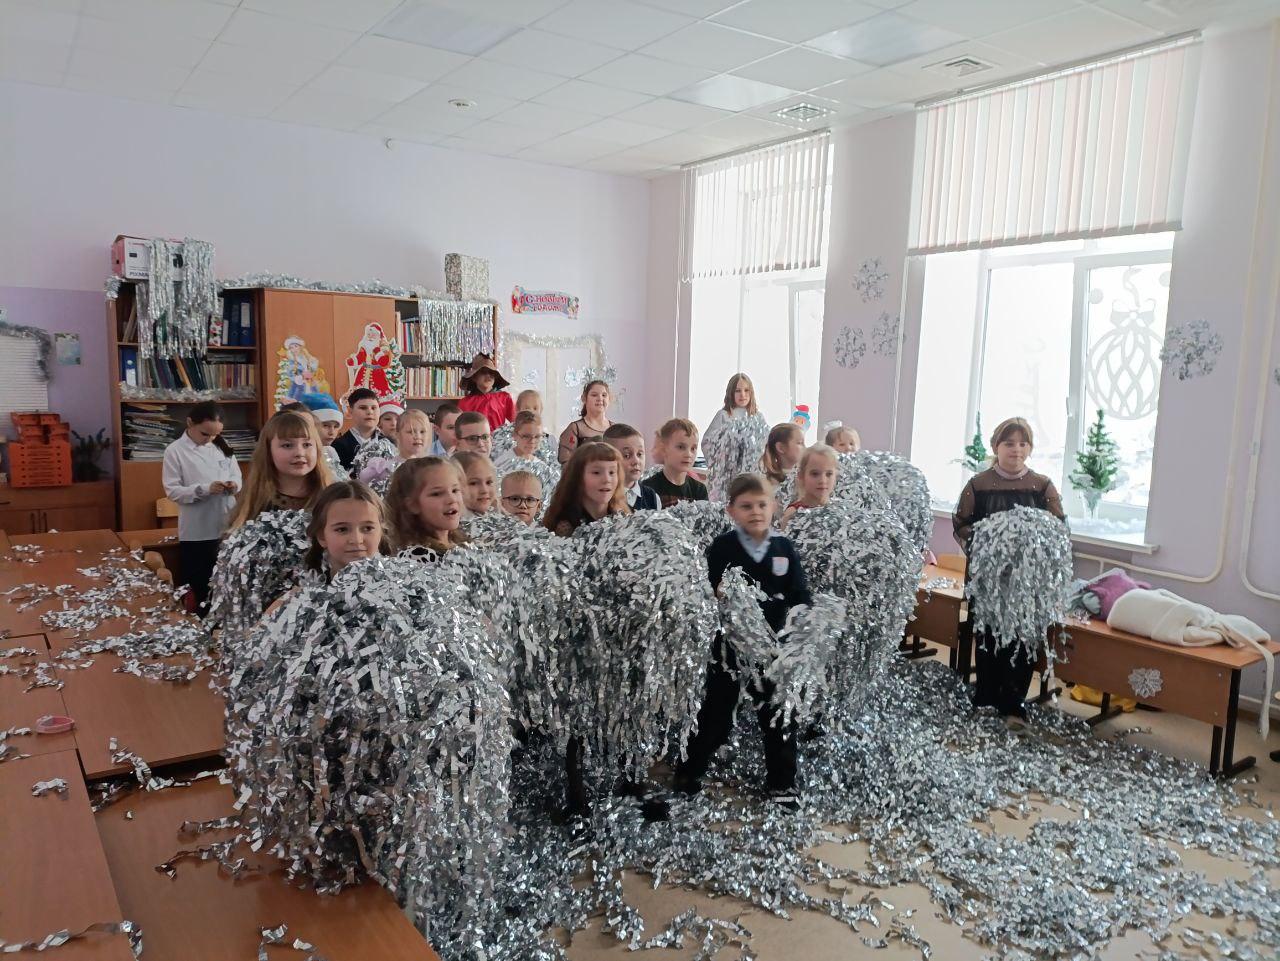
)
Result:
{"points": [[975, 454], [1097, 466]]}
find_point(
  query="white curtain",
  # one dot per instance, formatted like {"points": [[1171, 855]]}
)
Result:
{"points": [[757, 211], [1090, 151]]}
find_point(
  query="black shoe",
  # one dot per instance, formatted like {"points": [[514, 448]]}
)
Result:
{"points": [[655, 809], [786, 800]]}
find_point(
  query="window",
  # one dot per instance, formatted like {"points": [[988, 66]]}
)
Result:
{"points": [[1051, 332]]}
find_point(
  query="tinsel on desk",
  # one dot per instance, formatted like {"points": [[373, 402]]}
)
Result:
{"points": [[736, 448], [1020, 571], [368, 735], [257, 563]]}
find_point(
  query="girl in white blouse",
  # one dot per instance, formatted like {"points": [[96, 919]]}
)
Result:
{"points": [[202, 477]]}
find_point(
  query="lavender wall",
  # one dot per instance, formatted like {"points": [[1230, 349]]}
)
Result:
{"points": [[77, 169]]}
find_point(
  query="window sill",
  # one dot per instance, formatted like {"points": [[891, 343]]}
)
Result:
{"points": [[1132, 543]]}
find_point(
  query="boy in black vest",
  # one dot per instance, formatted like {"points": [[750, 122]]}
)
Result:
{"points": [[362, 404], [769, 560]]}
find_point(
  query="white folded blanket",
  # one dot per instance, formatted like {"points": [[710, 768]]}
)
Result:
{"points": [[1164, 616]]}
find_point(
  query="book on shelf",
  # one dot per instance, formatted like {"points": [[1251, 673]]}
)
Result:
{"points": [[236, 327], [186, 373], [149, 428], [433, 381]]}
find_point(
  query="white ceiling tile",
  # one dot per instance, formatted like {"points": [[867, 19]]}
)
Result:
{"points": [[591, 97], [358, 15], [795, 22], [885, 39], [614, 23], [37, 24], [625, 163], [401, 58], [231, 94], [30, 61], [801, 69], [506, 135], [366, 84], [976, 18], [1003, 64], [435, 102], [486, 76], [682, 148], [330, 110], [732, 93], [476, 146], [129, 86], [126, 42], [1174, 17], [406, 133], [62, 6], [646, 75], [261, 31], [623, 131], [1083, 32], [672, 114], [551, 119], [109, 70], [513, 11], [836, 111], [883, 87], [195, 18], [571, 148], [460, 30], [744, 129], [564, 56], [691, 8], [251, 63], [418, 124], [712, 46]]}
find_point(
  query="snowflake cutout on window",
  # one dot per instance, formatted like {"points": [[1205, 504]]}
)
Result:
{"points": [[1191, 349], [530, 378], [850, 346], [870, 279], [1146, 681], [884, 338]]}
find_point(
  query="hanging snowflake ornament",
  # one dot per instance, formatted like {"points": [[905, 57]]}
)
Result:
{"points": [[870, 279], [884, 337], [1146, 681], [1191, 350], [850, 347]]}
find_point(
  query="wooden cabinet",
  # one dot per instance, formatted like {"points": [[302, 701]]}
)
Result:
{"points": [[77, 507]]}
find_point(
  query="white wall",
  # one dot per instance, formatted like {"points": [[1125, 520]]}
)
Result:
{"points": [[76, 169]]}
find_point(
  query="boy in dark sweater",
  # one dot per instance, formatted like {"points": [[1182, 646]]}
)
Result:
{"points": [[362, 404], [678, 447], [769, 560]]}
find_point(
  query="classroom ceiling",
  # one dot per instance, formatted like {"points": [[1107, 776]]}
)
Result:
{"points": [[634, 87]]}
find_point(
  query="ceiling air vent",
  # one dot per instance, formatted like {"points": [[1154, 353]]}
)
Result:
{"points": [[802, 112], [960, 67]]}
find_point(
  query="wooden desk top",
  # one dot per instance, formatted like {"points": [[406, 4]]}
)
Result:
{"points": [[1222, 655], [98, 541], [932, 571], [202, 915], [22, 708], [151, 538], [4, 541], [55, 872]]}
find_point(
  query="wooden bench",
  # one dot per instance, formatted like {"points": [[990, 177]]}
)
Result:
{"points": [[1202, 683]]}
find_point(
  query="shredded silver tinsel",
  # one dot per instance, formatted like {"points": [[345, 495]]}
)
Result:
{"points": [[705, 519], [734, 449], [547, 472], [380, 448], [1020, 570], [504, 442], [58, 938]]}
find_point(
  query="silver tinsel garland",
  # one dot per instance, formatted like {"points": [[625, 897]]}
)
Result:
{"points": [[504, 442], [547, 472], [264, 278], [1020, 570], [735, 448], [257, 563], [705, 520], [368, 735], [380, 447], [906, 488]]}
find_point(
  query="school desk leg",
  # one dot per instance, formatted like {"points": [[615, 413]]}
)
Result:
{"points": [[915, 649], [1231, 768], [1105, 711]]}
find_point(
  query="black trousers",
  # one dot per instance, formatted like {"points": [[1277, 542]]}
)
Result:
{"points": [[1003, 675], [197, 559], [715, 724]]}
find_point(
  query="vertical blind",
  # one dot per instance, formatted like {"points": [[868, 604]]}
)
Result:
{"points": [[1090, 151], [757, 211]]}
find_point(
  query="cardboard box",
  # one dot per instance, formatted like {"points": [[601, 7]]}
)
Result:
{"points": [[466, 278], [131, 258]]}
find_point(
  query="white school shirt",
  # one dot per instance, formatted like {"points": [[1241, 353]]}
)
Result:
{"points": [[189, 468]]}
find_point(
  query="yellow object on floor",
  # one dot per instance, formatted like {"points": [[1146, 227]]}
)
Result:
{"points": [[1088, 695]]}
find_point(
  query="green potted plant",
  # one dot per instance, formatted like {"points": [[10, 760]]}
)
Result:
{"points": [[1097, 466], [85, 453]]}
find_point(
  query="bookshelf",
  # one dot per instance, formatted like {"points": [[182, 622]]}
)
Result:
{"points": [[430, 378], [142, 426]]}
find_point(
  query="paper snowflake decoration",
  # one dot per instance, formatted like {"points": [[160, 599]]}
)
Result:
{"points": [[1191, 349], [884, 338], [850, 346], [1146, 681], [530, 378], [870, 279]]}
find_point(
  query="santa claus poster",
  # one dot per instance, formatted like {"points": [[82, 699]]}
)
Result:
{"points": [[375, 364]]}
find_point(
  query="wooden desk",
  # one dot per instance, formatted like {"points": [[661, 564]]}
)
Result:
{"points": [[22, 708], [201, 915], [55, 873], [937, 616], [4, 541], [88, 541], [1202, 683], [162, 540]]}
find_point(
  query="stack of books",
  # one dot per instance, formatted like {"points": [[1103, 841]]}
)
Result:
{"points": [[241, 440], [148, 430]]}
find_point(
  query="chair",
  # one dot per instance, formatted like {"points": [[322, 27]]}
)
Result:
{"points": [[166, 512], [953, 562]]}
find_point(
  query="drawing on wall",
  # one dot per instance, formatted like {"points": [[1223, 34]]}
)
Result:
{"points": [[298, 372], [375, 364], [66, 348], [884, 337], [870, 279], [849, 347], [1191, 350]]}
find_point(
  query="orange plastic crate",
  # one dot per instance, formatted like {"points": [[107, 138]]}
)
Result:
{"points": [[40, 465], [29, 434], [50, 419], [59, 432], [25, 418]]}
